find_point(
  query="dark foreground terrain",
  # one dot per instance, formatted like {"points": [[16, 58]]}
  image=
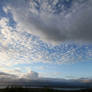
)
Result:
{"points": [[40, 90]]}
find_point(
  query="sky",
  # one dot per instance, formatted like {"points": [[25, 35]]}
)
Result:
{"points": [[46, 39]]}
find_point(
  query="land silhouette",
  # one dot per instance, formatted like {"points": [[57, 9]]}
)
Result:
{"points": [[45, 89]]}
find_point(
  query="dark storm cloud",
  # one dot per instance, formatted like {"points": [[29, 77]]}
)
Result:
{"points": [[72, 24]]}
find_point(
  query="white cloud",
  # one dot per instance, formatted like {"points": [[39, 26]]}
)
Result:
{"points": [[31, 75]]}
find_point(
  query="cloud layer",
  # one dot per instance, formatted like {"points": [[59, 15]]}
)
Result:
{"points": [[21, 47], [53, 21], [26, 26], [35, 81]]}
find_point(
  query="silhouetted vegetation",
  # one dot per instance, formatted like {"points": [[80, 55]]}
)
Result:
{"points": [[20, 89]]}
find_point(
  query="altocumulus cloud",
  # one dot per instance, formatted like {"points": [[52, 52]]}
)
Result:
{"points": [[23, 48], [18, 45], [53, 21]]}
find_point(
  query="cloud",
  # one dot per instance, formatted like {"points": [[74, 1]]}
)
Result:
{"points": [[27, 76], [23, 48], [35, 81], [4, 77], [42, 18], [19, 46], [31, 75]]}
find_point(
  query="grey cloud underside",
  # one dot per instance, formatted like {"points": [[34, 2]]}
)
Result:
{"points": [[41, 81], [40, 18], [5, 76], [10, 77]]}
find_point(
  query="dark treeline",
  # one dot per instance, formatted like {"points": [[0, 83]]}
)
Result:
{"points": [[45, 89]]}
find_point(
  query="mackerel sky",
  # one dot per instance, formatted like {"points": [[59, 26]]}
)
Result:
{"points": [[46, 38]]}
